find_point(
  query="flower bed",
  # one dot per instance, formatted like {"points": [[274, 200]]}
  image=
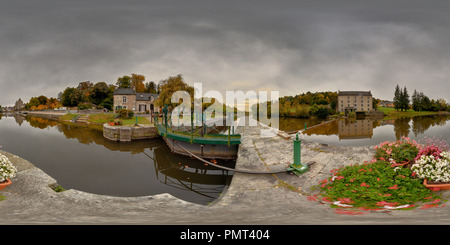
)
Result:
{"points": [[7, 170], [384, 183], [397, 152]]}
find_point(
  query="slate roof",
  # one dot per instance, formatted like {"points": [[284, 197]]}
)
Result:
{"points": [[139, 96], [124, 91], [145, 96], [353, 93]]}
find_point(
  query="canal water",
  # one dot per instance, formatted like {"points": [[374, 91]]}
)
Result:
{"points": [[369, 132], [79, 157]]}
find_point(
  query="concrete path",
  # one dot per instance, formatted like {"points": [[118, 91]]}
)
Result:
{"points": [[250, 199]]}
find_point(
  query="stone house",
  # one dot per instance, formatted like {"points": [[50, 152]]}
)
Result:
{"points": [[358, 101], [127, 98], [19, 105]]}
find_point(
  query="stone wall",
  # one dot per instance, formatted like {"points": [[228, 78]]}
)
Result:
{"points": [[46, 115], [129, 133]]}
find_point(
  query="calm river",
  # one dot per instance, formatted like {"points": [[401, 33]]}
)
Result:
{"points": [[79, 157], [367, 132]]}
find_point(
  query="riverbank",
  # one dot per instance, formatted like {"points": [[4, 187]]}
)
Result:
{"points": [[250, 199], [92, 118], [391, 113]]}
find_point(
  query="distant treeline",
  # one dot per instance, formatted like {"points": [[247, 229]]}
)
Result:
{"points": [[318, 104], [418, 102]]}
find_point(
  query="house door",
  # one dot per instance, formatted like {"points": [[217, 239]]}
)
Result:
{"points": [[143, 108]]}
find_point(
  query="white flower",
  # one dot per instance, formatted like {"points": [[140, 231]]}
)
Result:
{"points": [[428, 167], [7, 170]]}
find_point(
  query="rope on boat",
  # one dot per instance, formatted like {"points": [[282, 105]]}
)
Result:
{"points": [[231, 169]]}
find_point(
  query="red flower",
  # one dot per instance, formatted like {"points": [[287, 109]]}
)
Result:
{"points": [[436, 201], [339, 177], [312, 198], [326, 199], [384, 203], [363, 184], [393, 187], [342, 211], [345, 200], [429, 206]]}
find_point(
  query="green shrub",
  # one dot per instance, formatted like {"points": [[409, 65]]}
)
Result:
{"points": [[84, 106], [125, 114]]}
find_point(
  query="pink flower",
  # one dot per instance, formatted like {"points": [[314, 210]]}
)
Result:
{"points": [[363, 184]]}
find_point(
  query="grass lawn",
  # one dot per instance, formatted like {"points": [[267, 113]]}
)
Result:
{"points": [[68, 116], [391, 113], [103, 118]]}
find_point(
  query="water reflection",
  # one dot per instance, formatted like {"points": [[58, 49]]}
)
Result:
{"points": [[355, 129], [372, 131], [79, 157]]}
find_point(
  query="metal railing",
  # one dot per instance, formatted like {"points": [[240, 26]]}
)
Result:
{"points": [[197, 125]]}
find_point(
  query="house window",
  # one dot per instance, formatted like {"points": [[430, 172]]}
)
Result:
{"points": [[124, 99]]}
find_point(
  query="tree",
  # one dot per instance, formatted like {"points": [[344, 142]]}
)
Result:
{"points": [[415, 101], [42, 100], [99, 92], [170, 86], [71, 97], [151, 87], [397, 98], [137, 83], [85, 85], [124, 82], [404, 98], [34, 101]]}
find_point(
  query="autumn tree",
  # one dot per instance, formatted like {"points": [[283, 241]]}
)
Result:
{"points": [[85, 85], [170, 86], [137, 83]]}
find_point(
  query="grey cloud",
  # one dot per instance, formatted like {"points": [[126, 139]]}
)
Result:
{"points": [[290, 46]]}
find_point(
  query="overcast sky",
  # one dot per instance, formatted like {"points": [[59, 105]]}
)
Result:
{"points": [[288, 46]]}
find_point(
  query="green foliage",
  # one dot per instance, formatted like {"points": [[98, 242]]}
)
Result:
{"points": [[398, 151], [99, 93], [124, 82], [170, 86], [375, 185], [125, 114], [320, 111], [401, 99], [84, 106]]}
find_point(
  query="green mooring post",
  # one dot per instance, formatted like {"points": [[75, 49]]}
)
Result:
{"points": [[297, 167]]}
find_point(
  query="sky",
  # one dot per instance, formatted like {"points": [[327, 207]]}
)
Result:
{"points": [[247, 45]]}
